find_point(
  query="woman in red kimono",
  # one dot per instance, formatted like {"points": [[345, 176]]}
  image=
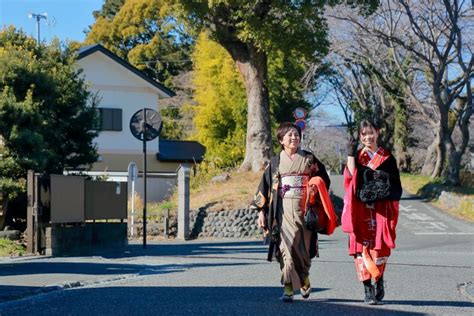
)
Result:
{"points": [[372, 193]]}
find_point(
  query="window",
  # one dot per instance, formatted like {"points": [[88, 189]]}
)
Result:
{"points": [[110, 119]]}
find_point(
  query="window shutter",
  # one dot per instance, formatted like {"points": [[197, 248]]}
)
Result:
{"points": [[110, 119]]}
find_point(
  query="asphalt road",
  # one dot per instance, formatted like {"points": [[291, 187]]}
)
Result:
{"points": [[430, 273]]}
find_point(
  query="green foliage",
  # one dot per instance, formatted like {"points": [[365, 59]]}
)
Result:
{"points": [[11, 248], [286, 90], [250, 31], [172, 129], [254, 32], [289, 26], [139, 32], [109, 9], [158, 211], [221, 112], [220, 94], [45, 120]]}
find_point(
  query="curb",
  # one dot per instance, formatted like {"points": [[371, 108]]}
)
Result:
{"points": [[7, 298]]}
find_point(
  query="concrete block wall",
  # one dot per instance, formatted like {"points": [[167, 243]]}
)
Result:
{"points": [[87, 239]]}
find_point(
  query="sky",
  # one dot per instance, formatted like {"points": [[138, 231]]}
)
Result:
{"points": [[66, 19]]}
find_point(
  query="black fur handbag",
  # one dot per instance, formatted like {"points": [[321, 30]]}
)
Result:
{"points": [[311, 219], [373, 185], [314, 217]]}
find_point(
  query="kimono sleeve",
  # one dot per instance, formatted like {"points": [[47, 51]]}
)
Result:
{"points": [[321, 172], [395, 183], [262, 196]]}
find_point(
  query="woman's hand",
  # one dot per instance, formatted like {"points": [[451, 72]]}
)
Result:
{"points": [[352, 146], [262, 221], [351, 153]]}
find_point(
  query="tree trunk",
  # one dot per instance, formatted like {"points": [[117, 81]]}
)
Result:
{"points": [[430, 160], [454, 154], [433, 166], [258, 148], [453, 166], [400, 134]]}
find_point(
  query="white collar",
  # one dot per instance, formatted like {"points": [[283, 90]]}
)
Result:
{"points": [[371, 154]]}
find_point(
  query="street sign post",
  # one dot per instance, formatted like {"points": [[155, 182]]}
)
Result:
{"points": [[132, 176], [300, 114], [145, 125]]}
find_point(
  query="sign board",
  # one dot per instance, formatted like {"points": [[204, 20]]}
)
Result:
{"points": [[132, 171], [300, 113], [146, 122], [301, 123]]}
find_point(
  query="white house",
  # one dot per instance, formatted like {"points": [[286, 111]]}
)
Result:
{"points": [[122, 91]]}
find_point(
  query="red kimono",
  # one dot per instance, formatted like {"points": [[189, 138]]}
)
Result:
{"points": [[371, 226]]}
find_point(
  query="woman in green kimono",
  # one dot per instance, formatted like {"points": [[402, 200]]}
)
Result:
{"points": [[279, 199]]}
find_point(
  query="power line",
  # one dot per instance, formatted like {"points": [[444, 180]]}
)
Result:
{"points": [[163, 61]]}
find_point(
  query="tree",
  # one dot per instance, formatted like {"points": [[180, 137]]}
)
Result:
{"points": [[436, 36], [171, 117], [109, 9], [221, 109], [46, 122], [137, 31], [441, 39], [366, 81], [249, 31], [220, 118]]}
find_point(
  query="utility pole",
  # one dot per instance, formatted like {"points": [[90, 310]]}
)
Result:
{"points": [[38, 17]]}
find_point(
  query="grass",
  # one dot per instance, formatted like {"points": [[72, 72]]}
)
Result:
{"points": [[11, 248], [414, 183], [431, 189], [237, 192]]}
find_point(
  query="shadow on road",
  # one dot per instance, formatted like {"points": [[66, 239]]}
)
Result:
{"points": [[411, 198], [413, 303], [41, 270], [202, 301], [34, 268], [215, 249]]}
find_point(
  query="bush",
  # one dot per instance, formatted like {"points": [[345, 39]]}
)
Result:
{"points": [[11, 248]]}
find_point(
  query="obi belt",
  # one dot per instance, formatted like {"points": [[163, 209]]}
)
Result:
{"points": [[293, 185]]}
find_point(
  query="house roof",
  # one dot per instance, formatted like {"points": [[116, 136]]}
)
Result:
{"points": [[180, 151], [88, 50]]}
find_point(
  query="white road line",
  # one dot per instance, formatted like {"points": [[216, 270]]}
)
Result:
{"points": [[419, 216], [443, 233], [406, 208]]}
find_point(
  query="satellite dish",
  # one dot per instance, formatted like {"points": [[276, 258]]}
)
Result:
{"points": [[146, 120]]}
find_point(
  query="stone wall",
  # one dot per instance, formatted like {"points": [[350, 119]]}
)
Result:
{"points": [[208, 222], [239, 223], [456, 202]]}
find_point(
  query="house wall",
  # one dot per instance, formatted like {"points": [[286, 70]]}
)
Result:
{"points": [[118, 161], [117, 87]]}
